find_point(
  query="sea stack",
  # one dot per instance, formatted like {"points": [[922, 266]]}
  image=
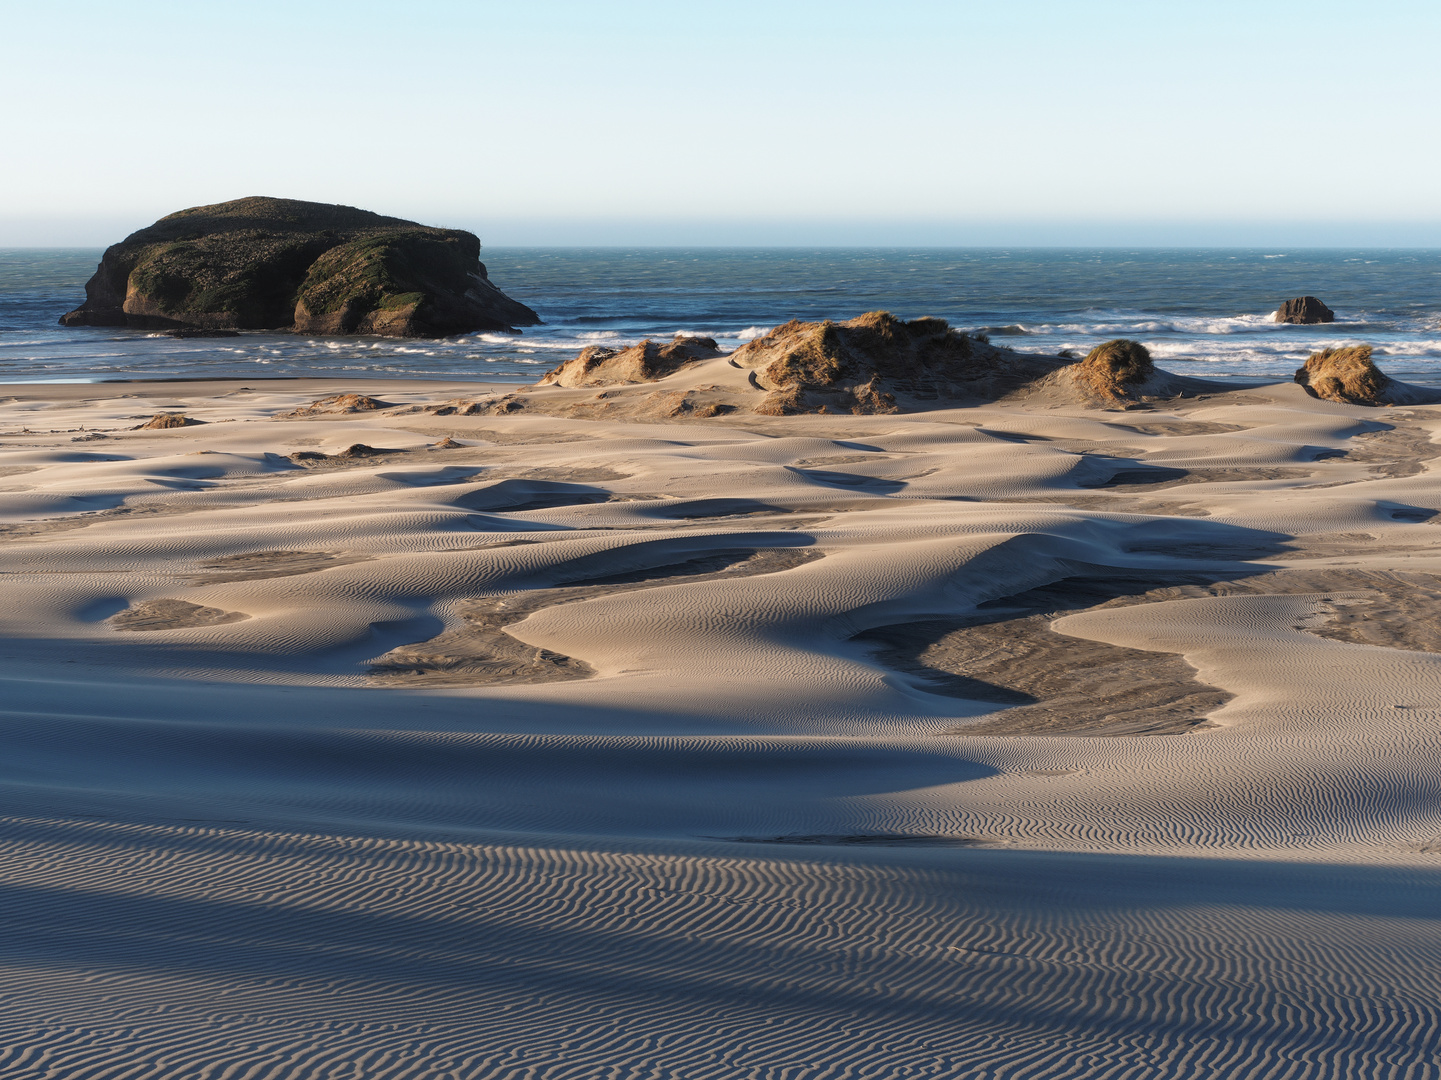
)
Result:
{"points": [[281, 264], [1304, 310]]}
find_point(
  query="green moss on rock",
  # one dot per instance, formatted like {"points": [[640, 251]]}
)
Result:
{"points": [[263, 263]]}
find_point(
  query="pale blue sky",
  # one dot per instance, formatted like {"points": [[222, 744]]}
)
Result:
{"points": [[1031, 121]]}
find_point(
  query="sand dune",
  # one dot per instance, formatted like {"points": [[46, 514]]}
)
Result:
{"points": [[1027, 739]]}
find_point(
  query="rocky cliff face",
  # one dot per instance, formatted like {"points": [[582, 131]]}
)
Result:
{"points": [[265, 264]]}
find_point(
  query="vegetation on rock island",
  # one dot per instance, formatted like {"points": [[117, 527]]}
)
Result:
{"points": [[281, 264]]}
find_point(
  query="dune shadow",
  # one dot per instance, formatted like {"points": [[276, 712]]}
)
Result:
{"points": [[692, 509], [871, 485], [1413, 514], [681, 557], [518, 496], [1136, 475], [1203, 539], [444, 476]]}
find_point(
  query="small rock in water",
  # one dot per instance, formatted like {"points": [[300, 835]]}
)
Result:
{"points": [[1305, 310]]}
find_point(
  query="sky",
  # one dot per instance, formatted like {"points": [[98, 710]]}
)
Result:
{"points": [[738, 122]]}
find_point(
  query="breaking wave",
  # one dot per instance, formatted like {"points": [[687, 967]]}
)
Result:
{"points": [[1205, 308]]}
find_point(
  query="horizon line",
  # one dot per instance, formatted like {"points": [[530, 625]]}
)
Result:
{"points": [[795, 246]]}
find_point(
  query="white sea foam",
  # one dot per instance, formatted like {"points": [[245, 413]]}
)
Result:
{"points": [[1024, 300], [1414, 347], [1233, 351], [566, 342], [1111, 323]]}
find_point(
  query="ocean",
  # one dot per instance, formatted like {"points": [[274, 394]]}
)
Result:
{"points": [[1200, 311]]}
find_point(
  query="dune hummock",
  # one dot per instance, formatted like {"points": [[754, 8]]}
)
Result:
{"points": [[1117, 373], [646, 362], [1010, 732], [873, 364], [1349, 376], [866, 364], [165, 421]]}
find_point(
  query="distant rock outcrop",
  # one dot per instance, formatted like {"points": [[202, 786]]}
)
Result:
{"points": [[860, 366], [269, 264], [1304, 310], [646, 362], [1348, 376]]}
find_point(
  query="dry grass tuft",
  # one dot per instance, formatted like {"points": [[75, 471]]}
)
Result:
{"points": [[1347, 376], [864, 365], [1111, 368], [787, 402], [350, 403], [338, 404], [161, 421], [646, 362]]}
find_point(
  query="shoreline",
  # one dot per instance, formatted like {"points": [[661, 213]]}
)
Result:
{"points": [[66, 391], [1204, 304]]}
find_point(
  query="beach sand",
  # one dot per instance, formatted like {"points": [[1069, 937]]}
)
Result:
{"points": [[1016, 740]]}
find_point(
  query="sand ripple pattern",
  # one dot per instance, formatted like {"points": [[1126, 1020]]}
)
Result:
{"points": [[209, 952], [228, 849]]}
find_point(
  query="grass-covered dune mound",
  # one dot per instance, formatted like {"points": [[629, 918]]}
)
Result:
{"points": [[1112, 368], [865, 364], [645, 362], [872, 364], [1119, 374], [1349, 376], [266, 264]]}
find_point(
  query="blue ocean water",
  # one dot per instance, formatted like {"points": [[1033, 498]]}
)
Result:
{"points": [[1200, 311]]}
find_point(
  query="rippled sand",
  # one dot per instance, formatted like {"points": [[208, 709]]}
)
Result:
{"points": [[1012, 741]]}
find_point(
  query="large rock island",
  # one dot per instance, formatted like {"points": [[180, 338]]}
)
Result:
{"points": [[269, 264]]}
